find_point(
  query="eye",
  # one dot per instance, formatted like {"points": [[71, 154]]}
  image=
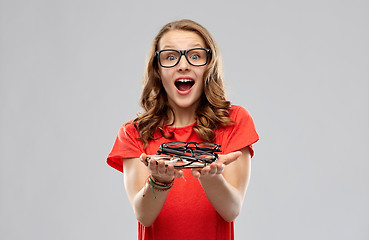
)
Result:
{"points": [[196, 54], [171, 58], [168, 55]]}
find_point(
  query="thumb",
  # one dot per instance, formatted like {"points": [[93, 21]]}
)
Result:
{"points": [[143, 158], [230, 157]]}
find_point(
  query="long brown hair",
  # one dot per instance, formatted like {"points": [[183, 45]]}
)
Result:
{"points": [[213, 110]]}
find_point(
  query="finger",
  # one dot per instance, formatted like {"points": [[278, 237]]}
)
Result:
{"points": [[220, 168], [205, 171], [161, 167], [152, 164], [213, 169], [143, 159], [170, 170], [178, 173], [195, 173], [230, 157]]}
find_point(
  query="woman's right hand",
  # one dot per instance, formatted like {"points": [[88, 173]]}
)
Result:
{"points": [[159, 171]]}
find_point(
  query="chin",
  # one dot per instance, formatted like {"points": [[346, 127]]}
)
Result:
{"points": [[186, 104]]}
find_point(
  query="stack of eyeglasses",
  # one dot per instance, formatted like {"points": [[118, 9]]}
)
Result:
{"points": [[187, 154]]}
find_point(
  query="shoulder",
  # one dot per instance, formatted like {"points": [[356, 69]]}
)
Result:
{"points": [[237, 113], [241, 133], [128, 129]]}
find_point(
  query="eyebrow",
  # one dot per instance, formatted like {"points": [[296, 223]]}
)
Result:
{"points": [[170, 46]]}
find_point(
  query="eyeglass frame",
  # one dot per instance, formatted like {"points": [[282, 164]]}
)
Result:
{"points": [[187, 162], [195, 144], [193, 157], [182, 153], [184, 53]]}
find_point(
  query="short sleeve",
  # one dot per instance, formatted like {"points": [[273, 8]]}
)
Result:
{"points": [[242, 133], [127, 145]]}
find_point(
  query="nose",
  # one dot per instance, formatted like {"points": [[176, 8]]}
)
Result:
{"points": [[183, 64]]}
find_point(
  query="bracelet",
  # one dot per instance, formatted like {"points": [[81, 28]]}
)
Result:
{"points": [[156, 182], [158, 186]]}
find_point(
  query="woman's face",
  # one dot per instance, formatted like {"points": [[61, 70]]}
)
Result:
{"points": [[183, 83]]}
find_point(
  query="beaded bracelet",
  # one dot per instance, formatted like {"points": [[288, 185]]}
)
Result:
{"points": [[157, 185], [160, 184]]}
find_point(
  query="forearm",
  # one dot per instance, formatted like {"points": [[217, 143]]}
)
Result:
{"points": [[225, 199], [147, 206], [146, 199], [225, 187]]}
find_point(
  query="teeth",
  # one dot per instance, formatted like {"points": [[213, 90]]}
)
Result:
{"points": [[184, 80]]}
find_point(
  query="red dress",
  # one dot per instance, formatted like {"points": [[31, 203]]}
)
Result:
{"points": [[187, 213]]}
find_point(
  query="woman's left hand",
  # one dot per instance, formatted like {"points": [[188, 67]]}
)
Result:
{"points": [[216, 167]]}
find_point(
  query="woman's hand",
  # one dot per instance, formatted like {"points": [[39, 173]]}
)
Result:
{"points": [[216, 167], [225, 188], [159, 170]]}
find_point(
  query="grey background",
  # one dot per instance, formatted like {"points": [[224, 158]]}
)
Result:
{"points": [[71, 74]]}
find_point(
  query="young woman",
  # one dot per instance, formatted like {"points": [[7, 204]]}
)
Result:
{"points": [[184, 101]]}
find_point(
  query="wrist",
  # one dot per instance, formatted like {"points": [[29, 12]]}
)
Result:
{"points": [[163, 180], [155, 185], [211, 178]]}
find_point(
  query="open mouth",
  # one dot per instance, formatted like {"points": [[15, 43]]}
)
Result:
{"points": [[184, 84]]}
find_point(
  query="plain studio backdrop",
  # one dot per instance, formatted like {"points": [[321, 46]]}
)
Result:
{"points": [[71, 74]]}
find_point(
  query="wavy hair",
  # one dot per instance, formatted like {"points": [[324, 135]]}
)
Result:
{"points": [[213, 110]]}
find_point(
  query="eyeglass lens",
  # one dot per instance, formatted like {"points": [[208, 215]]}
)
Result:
{"points": [[196, 57], [209, 146], [183, 145]]}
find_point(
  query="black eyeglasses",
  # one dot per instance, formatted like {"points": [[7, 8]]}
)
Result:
{"points": [[170, 57], [183, 146], [188, 154]]}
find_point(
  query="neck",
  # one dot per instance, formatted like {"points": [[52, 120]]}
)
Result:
{"points": [[184, 116]]}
